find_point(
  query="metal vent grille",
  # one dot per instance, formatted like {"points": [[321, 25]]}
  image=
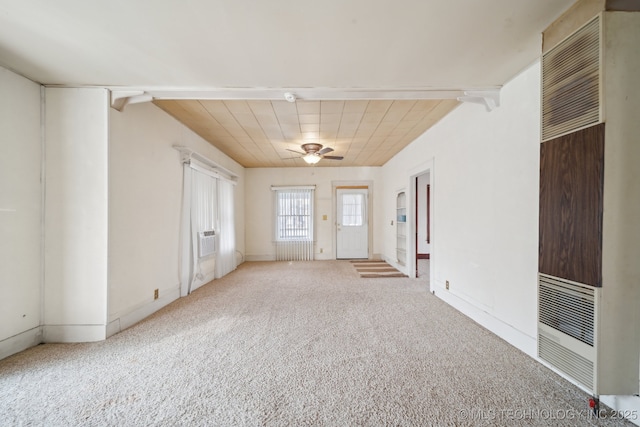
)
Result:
{"points": [[571, 83], [206, 243], [567, 307], [569, 362]]}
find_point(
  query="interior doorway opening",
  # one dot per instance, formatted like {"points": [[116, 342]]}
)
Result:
{"points": [[422, 224]]}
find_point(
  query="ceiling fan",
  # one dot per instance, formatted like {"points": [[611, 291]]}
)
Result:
{"points": [[313, 153]]}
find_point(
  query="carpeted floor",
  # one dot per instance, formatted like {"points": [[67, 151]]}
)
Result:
{"points": [[292, 344]]}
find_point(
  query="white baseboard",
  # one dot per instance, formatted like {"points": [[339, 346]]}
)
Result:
{"points": [[73, 333], [123, 321], [393, 263], [206, 279], [317, 257], [513, 336], [113, 327], [628, 406], [20, 342], [625, 406], [260, 258]]}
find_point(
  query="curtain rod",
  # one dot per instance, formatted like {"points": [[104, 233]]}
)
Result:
{"points": [[188, 154], [293, 187]]}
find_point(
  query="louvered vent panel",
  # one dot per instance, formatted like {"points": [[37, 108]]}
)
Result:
{"points": [[206, 243], [569, 362], [571, 83], [566, 307]]}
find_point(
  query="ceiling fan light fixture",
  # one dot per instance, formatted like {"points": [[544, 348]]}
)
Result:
{"points": [[311, 158]]}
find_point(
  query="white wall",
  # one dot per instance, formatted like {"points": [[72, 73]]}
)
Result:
{"points": [[484, 189], [75, 270], [618, 318], [20, 213], [145, 202], [259, 202]]}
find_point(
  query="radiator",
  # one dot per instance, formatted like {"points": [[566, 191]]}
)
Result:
{"points": [[206, 243], [298, 250], [566, 327]]}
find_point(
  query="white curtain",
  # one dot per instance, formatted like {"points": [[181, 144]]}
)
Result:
{"points": [[207, 206], [226, 257], [204, 217]]}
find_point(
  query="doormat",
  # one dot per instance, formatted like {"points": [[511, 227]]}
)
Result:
{"points": [[370, 269]]}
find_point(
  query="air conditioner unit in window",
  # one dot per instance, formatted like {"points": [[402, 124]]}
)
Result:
{"points": [[206, 243]]}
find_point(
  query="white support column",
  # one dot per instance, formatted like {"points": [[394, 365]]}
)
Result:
{"points": [[76, 214]]}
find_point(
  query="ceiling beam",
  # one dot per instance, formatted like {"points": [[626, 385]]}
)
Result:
{"points": [[312, 94], [122, 96], [490, 99]]}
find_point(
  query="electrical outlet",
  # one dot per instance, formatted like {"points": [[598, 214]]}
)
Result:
{"points": [[446, 284], [321, 250], [156, 293]]}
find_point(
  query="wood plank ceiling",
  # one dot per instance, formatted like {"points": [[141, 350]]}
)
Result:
{"points": [[258, 133]]}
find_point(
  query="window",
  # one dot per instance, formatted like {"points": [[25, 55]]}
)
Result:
{"points": [[352, 210], [294, 214], [208, 209]]}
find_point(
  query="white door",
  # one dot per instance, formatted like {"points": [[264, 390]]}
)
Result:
{"points": [[352, 226]]}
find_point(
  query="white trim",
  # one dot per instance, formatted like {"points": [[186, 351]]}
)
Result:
{"points": [[122, 98], [251, 258], [200, 167], [142, 93], [425, 168], [20, 342], [624, 405], [188, 155], [185, 231], [513, 336], [142, 311], [200, 282], [292, 187], [43, 199], [74, 333], [113, 327]]}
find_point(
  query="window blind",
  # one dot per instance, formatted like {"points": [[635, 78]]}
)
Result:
{"points": [[294, 226]]}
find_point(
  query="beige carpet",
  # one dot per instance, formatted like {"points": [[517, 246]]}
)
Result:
{"points": [[374, 269], [292, 344]]}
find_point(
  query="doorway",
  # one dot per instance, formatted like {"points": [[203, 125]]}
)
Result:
{"points": [[423, 225], [352, 227]]}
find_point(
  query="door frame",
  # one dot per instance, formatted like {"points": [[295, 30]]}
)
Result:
{"points": [[335, 185], [427, 167]]}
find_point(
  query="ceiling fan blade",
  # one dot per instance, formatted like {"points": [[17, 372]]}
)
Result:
{"points": [[333, 157], [297, 152], [325, 150]]}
